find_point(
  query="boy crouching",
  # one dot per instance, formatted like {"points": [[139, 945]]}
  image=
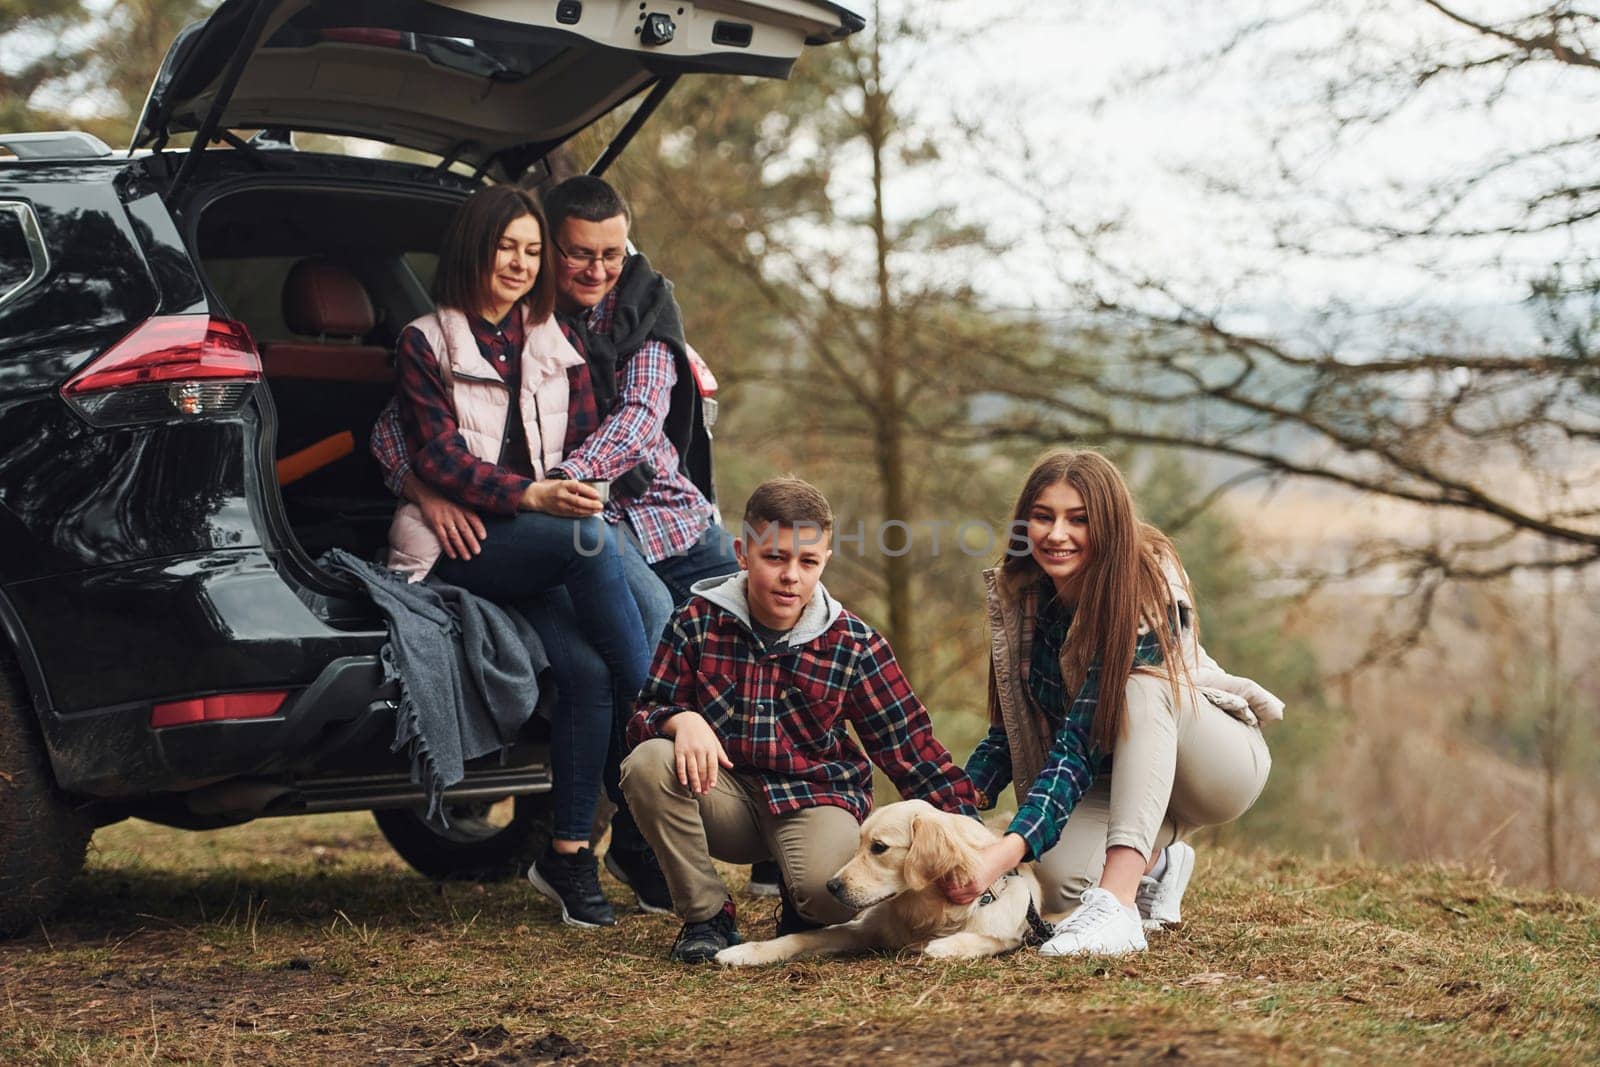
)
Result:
{"points": [[740, 750]]}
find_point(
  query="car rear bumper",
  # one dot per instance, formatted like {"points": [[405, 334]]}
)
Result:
{"points": [[169, 628], [114, 752], [101, 647], [328, 748]]}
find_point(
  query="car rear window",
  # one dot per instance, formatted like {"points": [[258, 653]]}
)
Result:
{"points": [[424, 265], [252, 291]]}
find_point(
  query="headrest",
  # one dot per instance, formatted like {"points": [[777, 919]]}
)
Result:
{"points": [[321, 298]]}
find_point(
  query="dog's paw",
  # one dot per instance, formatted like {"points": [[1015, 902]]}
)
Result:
{"points": [[746, 955], [965, 946]]}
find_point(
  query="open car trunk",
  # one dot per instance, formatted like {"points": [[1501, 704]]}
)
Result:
{"points": [[491, 85], [326, 388]]}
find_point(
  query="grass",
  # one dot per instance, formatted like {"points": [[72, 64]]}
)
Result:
{"points": [[306, 941]]}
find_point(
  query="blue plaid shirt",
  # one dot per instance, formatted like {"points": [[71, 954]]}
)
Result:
{"points": [[1073, 761]]}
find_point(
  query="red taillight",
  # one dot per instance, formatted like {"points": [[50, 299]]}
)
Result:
{"points": [[706, 382], [216, 708], [175, 367]]}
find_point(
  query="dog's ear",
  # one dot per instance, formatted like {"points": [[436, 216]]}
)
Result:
{"points": [[936, 853]]}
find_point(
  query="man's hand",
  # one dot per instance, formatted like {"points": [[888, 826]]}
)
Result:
{"points": [[562, 496], [699, 752], [994, 861], [458, 529]]}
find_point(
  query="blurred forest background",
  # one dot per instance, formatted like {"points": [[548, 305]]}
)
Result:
{"points": [[1386, 488]]}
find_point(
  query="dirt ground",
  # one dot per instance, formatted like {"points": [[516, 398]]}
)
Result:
{"points": [[172, 1006], [305, 941]]}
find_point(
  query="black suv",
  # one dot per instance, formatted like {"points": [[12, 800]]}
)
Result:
{"points": [[193, 347]]}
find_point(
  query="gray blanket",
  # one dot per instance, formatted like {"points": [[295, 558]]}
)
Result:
{"points": [[467, 672]]}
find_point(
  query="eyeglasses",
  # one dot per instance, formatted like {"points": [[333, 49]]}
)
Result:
{"points": [[611, 260]]}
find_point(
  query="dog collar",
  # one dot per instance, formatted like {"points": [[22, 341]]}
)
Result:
{"points": [[1039, 931], [992, 894]]}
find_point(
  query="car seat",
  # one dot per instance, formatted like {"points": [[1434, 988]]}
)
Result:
{"points": [[328, 386]]}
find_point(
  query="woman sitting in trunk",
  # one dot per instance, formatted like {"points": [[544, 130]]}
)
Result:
{"points": [[490, 392]]}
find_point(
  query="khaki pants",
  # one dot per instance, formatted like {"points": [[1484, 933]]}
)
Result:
{"points": [[1175, 770], [731, 823]]}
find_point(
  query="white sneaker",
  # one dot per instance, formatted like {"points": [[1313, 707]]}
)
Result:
{"points": [[1100, 927], [1159, 899]]}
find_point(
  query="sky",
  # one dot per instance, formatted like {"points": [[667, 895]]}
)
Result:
{"points": [[1113, 148], [1149, 155]]}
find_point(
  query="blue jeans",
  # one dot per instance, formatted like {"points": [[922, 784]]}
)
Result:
{"points": [[546, 566], [655, 608], [655, 602], [659, 588], [710, 557]]}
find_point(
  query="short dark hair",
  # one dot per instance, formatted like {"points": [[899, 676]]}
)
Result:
{"points": [[467, 254], [584, 197], [788, 501]]}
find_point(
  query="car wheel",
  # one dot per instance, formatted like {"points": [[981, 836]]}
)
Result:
{"points": [[43, 834], [485, 842]]}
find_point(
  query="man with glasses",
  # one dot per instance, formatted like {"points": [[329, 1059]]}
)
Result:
{"points": [[651, 442]]}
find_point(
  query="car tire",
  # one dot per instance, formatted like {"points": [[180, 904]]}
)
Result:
{"points": [[43, 833], [472, 849]]}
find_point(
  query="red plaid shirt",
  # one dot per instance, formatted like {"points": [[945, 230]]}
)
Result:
{"points": [[781, 714], [420, 435]]}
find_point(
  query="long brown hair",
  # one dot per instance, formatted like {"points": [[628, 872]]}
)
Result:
{"points": [[467, 255], [1124, 584]]}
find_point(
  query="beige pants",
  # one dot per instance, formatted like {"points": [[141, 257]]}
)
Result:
{"points": [[732, 824], [1175, 770]]}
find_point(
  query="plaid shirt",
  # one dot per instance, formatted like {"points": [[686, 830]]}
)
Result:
{"points": [[781, 713], [434, 413], [672, 513], [1072, 764]]}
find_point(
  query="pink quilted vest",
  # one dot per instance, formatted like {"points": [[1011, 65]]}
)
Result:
{"points": [[483, 403]]}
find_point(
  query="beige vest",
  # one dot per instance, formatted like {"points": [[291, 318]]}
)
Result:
{"points": [[1027, 730], [482, 404]]}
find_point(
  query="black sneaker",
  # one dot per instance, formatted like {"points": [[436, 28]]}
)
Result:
{"points": [[699, 942], [764, 878], [640, 872], [573, 881], [790, 921]]}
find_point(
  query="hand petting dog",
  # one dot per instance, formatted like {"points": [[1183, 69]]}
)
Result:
{"points": [[992, 862]]}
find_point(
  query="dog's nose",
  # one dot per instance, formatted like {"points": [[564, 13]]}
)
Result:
{"points": [[836, 887]]}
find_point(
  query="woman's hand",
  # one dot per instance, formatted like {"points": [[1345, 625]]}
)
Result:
{"points": [[994, 861], [562, 496], [698, 751], [459, 530]]}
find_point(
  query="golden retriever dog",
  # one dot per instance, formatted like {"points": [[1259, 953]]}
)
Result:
{"points": [[906, 851]]}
